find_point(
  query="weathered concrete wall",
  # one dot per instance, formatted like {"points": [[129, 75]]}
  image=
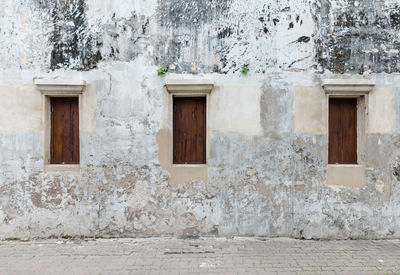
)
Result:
{"points": [[267, 130]]}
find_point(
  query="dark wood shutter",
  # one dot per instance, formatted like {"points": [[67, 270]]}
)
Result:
{"points": [[64, 130], [343, 131], [189, 130]]}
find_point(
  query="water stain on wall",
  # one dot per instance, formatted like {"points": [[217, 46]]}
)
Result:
{"points": [[184, 25], [192, 14], [125, 38], [357, 36], [73, 45]]}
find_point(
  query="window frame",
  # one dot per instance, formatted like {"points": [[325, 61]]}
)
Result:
{"points": [[351, 175], [357, 134], [359, 90], [52, 140], [50, 88], [189, 88], [205, 132]]}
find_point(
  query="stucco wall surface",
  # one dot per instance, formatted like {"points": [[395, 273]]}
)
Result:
{"points": [[266, 172]]}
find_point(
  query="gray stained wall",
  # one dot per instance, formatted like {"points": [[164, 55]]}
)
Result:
{"points": [[266, 173]]}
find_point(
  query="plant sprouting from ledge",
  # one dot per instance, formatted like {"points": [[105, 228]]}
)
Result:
{"points": [[162, 71], [245, 70]]}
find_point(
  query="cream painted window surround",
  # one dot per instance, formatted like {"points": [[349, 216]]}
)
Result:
{"points": [[342, 174], [189, 88], [58, 88]]}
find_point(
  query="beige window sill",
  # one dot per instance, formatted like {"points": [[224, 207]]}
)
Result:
{"points": [[189, 165], [352, 175], [75, 168]]}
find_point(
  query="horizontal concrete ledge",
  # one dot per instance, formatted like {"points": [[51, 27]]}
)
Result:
{"points": [[60, 86], [343, 81], [346, 175], [62, 82], [189, 85], [350, 87]]}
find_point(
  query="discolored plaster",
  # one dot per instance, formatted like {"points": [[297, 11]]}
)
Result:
{"points": [[266, 172], [353, 36]]}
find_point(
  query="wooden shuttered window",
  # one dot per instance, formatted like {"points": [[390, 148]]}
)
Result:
{"points": [[342, 131], [64, 130], [189, 130]]}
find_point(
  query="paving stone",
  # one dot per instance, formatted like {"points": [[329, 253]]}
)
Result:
{"points": [[202, 256]]}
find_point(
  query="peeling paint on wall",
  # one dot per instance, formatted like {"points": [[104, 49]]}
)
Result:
{"points": [[73, 45], [357, 36], [266, 171]]}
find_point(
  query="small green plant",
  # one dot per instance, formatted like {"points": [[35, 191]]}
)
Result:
{"points": [[12, 239], [245, 70], [263, 71], [162, 71]]}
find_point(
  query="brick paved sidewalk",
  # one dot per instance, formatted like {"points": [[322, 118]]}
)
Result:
{"points": [[209, 256]]}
